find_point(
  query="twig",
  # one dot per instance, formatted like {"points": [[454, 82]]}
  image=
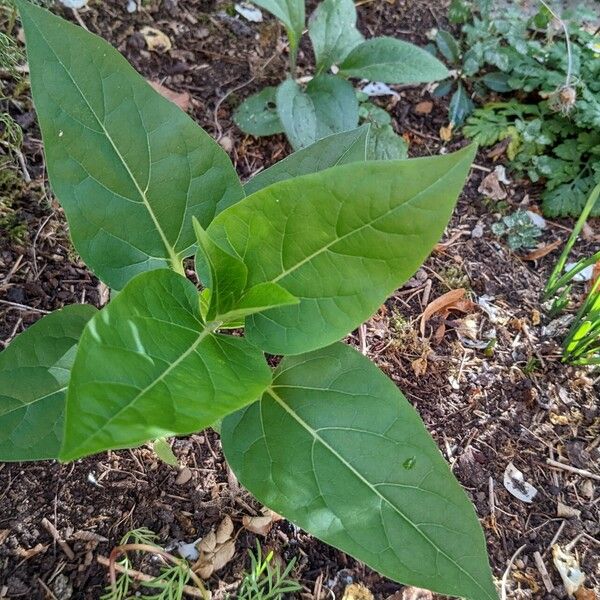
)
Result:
{"points": [[568, 42], [139, 576], [508, 568], [47, 590], [49, 527], [118, 550], [539, 563], [566, 467], [24, 307]]}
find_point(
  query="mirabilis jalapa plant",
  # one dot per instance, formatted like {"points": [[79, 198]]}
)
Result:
{"points": [[299, 256]]}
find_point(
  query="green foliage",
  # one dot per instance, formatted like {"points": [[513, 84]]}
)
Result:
{"points": [[552, 127], [265, 580], [328, 104], [582, 344], [300, 262], [518, 228]]}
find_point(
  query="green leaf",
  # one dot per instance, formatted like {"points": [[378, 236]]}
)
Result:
{"points": [[257, 115], [392, 61], [497, 81], [447, 46], [364, 475], [461, 105], [163, 450], [328, 106], [148, 367], [337, 149], [333, 33], [386, 144], [226, 275], [34, 374], [291, 13], [128, 166], [340, 240]]}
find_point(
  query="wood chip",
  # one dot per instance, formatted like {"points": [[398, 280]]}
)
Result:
{"points": [[184, 476], [424, 108]]}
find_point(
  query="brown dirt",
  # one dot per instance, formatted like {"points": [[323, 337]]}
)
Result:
{"points": [[517, 403]]}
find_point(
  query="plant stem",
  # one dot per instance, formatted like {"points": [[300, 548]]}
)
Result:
{"points": [[555, 282]]}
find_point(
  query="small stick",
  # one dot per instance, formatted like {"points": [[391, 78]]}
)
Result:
{"points": [[508, 568], [556, 536], [139, 576], [566, 467], [54, 533], [24, 307], [539, 563]]}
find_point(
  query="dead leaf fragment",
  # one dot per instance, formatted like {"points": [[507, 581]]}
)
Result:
{"points": [[414, 593], [454, 300], [584, 593], [184, 476], [208, 542], [490, 187], [3, 535], [568, 567], [357, 591], [225, 530], [31, 552], [542, 250], [419, 366], [424, 108], [262, 524], [566, 512], [181, 99], [515, 483], [156, 40], [446, 132], [223, 555]]}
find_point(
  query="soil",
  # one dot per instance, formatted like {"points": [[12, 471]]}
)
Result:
{"points": [[486, 406]]}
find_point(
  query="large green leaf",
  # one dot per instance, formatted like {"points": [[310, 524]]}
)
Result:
{"points": [[257, 115], [335, 447], [328, 106], [392, 61], [337, 149], [291, 13], [128, 166], [34, 374], [148, 367], [341, 240], [332, 30], [386, 144]]}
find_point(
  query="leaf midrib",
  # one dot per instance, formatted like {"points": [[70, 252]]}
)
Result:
{"points": [[326, 247], [202, 335], [170, 250], [366, 482]]}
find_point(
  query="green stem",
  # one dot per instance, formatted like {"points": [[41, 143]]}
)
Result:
{"points": [[555, 282]]}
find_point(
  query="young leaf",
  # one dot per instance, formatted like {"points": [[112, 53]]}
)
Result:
{"points": [[128, 166], [34, 374], [364, 475], [337, 149], [497, 81], [447, 46], [226, 275], [328, 106], [461, 105], [392, 61], [257, 115], [340, 240], [333, 33], [291, 13], [148, 367]]}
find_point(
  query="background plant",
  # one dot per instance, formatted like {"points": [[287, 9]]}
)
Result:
{"points": [[549, 132], [329, 103], [299, 262], [582, 343]]}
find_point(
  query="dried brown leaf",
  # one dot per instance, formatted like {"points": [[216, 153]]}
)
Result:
{"points": [[208, 543], [223, 555], [258, 525], [225, 530], [443, 303], [424, 108], [542, 250], [181, 99]]}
